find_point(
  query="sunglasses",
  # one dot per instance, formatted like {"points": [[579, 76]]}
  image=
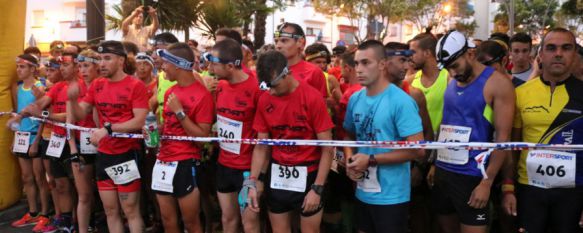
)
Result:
{"points": [[277, 79]]}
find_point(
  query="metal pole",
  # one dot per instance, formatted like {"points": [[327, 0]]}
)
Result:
{"points": [[95, 21]]}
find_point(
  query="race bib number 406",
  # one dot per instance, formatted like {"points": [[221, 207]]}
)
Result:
{"points": [[551, 169], [452, 133], [291, 178]]}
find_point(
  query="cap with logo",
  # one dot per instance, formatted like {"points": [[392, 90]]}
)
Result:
{"points": [[450, 47]]}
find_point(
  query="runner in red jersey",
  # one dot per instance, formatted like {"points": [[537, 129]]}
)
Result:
{"points": [[290, 110], [237, 95], [188, 111], [122, 105], [59, 148], [290, 40], [144, 68]]}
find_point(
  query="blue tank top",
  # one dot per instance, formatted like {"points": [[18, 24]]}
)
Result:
{"points": [[465, 111], [25, 97]]}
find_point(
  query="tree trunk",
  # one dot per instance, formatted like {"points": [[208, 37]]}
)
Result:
{"points": [[186, 34], [245, 29], [259, 29], [128, 6], [95, 21]]}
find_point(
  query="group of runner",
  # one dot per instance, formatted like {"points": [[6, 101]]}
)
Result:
{"points": [[445, 89]]}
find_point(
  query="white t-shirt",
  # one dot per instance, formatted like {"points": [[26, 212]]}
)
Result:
{"points": [[524, 75]]}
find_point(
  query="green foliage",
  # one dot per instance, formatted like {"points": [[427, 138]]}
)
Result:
{"points": [[530, 16]]}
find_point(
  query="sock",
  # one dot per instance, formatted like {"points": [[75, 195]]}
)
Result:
{"points": [[33, 214]]}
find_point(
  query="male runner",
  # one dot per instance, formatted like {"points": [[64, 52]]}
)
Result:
{"points": [[478, 107], [520, 49]]}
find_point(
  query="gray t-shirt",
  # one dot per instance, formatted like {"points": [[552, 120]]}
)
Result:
{"points": [[524, 75]]}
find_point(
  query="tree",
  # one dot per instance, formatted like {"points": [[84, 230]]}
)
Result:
{"points": [[530, 16], [434, 14], [218, 14]]}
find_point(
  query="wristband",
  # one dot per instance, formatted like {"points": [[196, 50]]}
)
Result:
{"points": [[508, 188], [262, 177], [372, 162], [508, 181], [252, 178]]}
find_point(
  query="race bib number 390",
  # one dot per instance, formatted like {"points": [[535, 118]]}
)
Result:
{"points": [[21, 142], [551, 169], [230, 129], [123, 173], [56, 145], [452, 133], [290, 178]]}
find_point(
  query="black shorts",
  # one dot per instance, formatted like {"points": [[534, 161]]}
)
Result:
{"points": [[549, 210], [43, 145], [451, 193], [382, 218], [282, 201], [184, 181], [338, 188], [229, 180], [61, 167]]}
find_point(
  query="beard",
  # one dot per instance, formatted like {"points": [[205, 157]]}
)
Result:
{"points": [[465, 76]]}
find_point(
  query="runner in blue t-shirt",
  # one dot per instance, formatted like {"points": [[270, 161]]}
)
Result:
{"points": [[381, 112]]}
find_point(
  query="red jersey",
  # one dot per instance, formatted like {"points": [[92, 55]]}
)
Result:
{"points": [[58, 95], [336, 71], [236, 106], [298, 115], [115, 102], [88, 121], [197, 103], [311, 74], [343, 105], [406, 86], [151, 88], [249, 72]]}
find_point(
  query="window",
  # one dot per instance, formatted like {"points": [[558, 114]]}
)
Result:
{"points": [[310, 31], [38, 18], [80, 17], [347, 34]]}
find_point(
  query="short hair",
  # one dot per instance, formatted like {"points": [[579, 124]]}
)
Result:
{"points": [[130, 47], [377, 46], [340, 49], [500, 36], [521, 37], [229, 50], [393, 46], [30, 58], [32, 50], [558, 30], [165, 37], [194, 42], [269, 64], [348, 59], [182, 50], [264, 49], [318, 48], [249, 45], [230, 33], [297, 28], [427, 41], [55, 43], [89, 53], [69, 54], [492, 49]]}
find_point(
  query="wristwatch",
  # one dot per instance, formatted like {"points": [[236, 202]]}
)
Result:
{"points": [[372, 162], [180, 115], [318, 189], [107, 126], [44, 114]]}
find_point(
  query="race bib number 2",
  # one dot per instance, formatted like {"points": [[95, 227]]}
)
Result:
{"points": [[123, 173], [291, 178], [551, 169], [452, 133], [163, 175], [21, 142]]}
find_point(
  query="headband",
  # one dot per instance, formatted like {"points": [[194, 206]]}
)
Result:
{"points": [[110, 49], [175, 60], [404, 53], [317, 55], [143, 57], [82, 58], [52, 65], [211, 58], [21, 60], [66, 58], [288, 35]]}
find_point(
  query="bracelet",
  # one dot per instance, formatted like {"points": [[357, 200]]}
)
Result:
{"points": [[252, 178], [508, 188]]}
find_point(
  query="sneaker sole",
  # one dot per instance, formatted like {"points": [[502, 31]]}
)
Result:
{"points": [[25, 225]]}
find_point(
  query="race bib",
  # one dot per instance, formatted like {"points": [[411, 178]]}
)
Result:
{"points": [[370, 182], [338, 160], [452, 133], [163, 175], [21, 142], [86, 146], [551, 169], [56, 145], [230, 129], [123, 173], [290, 178]]}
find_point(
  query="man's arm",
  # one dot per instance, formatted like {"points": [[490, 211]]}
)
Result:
{"points": [[360, 161], [155, 22], [134, 124], [326, 159], [125, 25]]}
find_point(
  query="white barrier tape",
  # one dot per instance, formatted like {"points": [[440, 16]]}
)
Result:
{"points": [[375, 144]]}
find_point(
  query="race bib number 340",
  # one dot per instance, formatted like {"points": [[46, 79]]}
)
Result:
{"points": [[56, 145], [551, 169], [123, 173], [452, 133], [291, 178]]}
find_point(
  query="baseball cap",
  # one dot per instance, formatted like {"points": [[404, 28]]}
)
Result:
{"points": [[450, 47]]}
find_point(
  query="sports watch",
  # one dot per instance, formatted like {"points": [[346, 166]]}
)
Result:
{"points": [[107, 126], [318, 189], [180, 115], [44, 114]]}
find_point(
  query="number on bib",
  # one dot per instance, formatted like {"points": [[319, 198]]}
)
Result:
{"points": [[230, 129], [123, 173], [452, 133], [86, 146], [21, 142], [551, 169], [291, 178], [56, 145], [370, 182], [163, 175]]}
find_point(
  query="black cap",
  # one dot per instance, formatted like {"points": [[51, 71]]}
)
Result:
{"points": [[338, 50], [112, 46]]}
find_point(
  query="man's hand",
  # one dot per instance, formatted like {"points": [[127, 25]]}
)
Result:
{"points": [[359, 162], [31, 110], [253, 200], [174, 103], [210, 83], [416, 176], [138, 10], [152, 10], [311, 202], [480, 196], [431, 176], [509, 204], [37, 92], [97, 135]]}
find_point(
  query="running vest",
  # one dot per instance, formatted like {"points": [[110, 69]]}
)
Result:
{"points": [[466, 118], [25, 98], [433, 96], [555, 118]]}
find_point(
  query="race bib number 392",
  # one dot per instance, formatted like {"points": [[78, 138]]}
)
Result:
{"points": [[123, 173]]}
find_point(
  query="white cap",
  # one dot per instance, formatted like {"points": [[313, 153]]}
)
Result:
{"points": [[450, 47]]}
